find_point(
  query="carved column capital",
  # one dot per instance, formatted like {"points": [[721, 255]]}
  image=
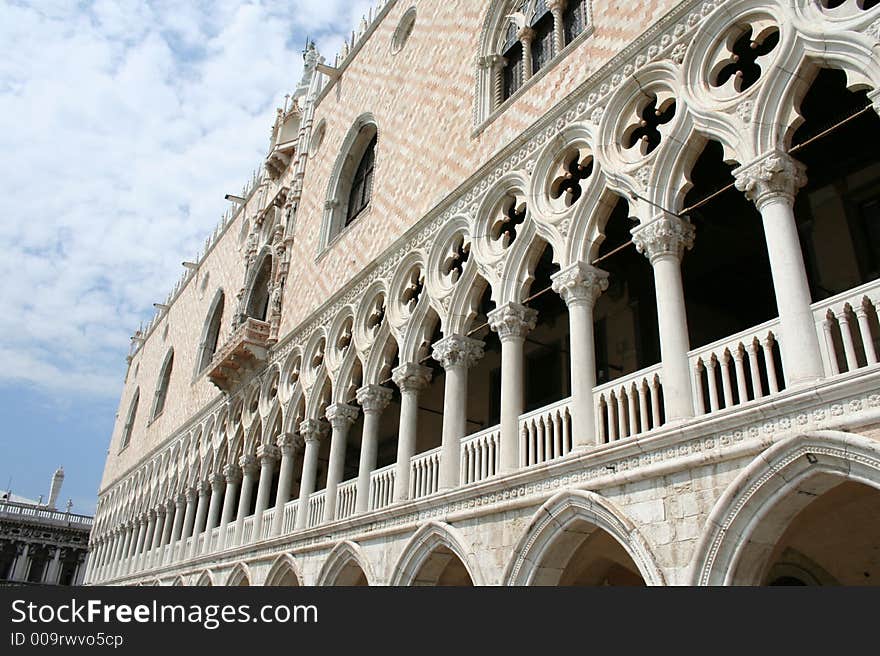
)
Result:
{"points": [[556, 5], [201, 488], [288, 443], [373, 398], [312, 430], [248, 465], [526, 35], [341, 416], [513, 321], [267, 453], [232, 472], [218, 480], [411, 377], [580, 283], [665, 236], [457, 351], [771, 177], [174, 502]]}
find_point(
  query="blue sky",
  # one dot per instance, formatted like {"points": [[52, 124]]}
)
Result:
{"points": [[124, 124]]}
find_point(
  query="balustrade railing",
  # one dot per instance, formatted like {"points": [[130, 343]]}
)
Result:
{"points": [[630, 405], [545, 434], [425, 474], [382, 487], [316, 508], [738, 369], [229, 537], [247, 529], [266, 523], [345, 499], [848, 328], [480, 455], [290, 516]]}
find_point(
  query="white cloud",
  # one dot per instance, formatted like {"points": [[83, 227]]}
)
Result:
{"points": [[124, 125]]}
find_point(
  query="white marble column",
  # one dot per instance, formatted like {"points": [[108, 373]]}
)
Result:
{"points": [[137, 545], [373, 399], [249, 469], [580, 285], [157, 528], [189, 516], [771, 183], [311, 431], [232, 472], [663, 241], [202, 488], [50, 575], [457, 354], [512, 322], [288, 444], [170, 516], [218, 485], [267, 454], [341, 418], [526, 36], [411, 379], [19, 570], [557, 7]]}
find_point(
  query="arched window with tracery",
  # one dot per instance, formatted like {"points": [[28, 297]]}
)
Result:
{"points": [[211, 333], [350, 191], [258, 300], [522, 38], [129, 420], [162, 387]]}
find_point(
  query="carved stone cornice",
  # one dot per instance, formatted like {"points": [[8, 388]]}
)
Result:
{"points": [[665, 236], [513, 321], [458, 351], [775, 175], [313, 430], [580, 283], [341, 416], [373, 398], [410, 377]]}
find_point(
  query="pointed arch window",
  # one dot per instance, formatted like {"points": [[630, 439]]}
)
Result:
{"points": [[258, 303], [211, 333], [362, 184], [129, 420], [162, 387]]}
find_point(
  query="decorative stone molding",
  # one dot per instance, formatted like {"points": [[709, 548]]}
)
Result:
{"points": [[341, 415], [411, 377], [458, 351], [374, 398], [580, 283], [312, 430], [775, 175], [665, 236], [513, 321]]}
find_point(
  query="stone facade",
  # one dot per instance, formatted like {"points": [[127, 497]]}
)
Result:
{"points": [[368, 403]]}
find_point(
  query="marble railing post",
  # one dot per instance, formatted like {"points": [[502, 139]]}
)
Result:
{"points": [[457, 354], [341, 418], [249, 469], [580, 285], [512, 322], [663, 241], [311, 431], [411, 379], [373, 399], [771, 183], [288, 445], [267, 454]]}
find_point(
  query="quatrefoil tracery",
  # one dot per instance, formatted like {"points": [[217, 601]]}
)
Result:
{"points": [[575, 168], [413, 291], [863, 5], [459, 254], [743, 63], [513, 214], [645, 133], [377, 314]]}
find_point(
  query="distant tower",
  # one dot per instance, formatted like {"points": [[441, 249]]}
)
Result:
{"points": [[55, 489]]}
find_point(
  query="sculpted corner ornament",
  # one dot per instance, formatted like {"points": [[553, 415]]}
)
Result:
{"points": [[373, 398], [580, 283], [513, 321], [666, 235], [776, 175], [341, 415], [457, 350]]}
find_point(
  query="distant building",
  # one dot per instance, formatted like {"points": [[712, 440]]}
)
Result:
{"points": [[40, 544]]}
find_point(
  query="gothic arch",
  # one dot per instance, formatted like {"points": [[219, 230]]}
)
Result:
{"points": [[283, 567], [753, 511], [550, 523], [206, 579], [342, 557], [422, 544], [210, 338], [162, 384], [240, 576], [129, 419], [259, 287]]}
